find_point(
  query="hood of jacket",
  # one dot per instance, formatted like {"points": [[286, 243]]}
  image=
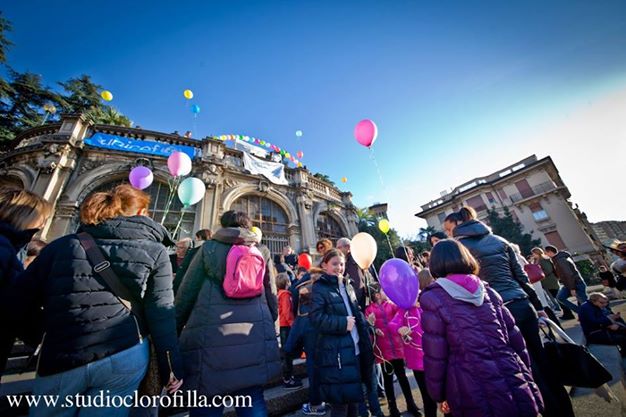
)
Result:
{"points": [[17, 238], [472, 228], [563, 254], [466, 288], [133, 227], [235, 236]]}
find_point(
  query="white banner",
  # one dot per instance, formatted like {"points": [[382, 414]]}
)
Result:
{"points": [[273, 171]]}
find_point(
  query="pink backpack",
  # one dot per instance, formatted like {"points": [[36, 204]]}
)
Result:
{"points": [[245, 269]]}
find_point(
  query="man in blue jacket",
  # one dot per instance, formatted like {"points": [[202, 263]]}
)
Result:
{"points": [[600, 325]]}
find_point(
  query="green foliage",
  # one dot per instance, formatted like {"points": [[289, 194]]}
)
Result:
{"points": [[512, 230], [24, 95], [588, 271], [324, 177], [5, 43], [368, 223]]}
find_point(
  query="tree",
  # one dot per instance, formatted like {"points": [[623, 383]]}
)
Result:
{"points": [[425, 232], [512, 230], [368, 223], [5, 43], [324, 177], [107, 115], [82, 94]]}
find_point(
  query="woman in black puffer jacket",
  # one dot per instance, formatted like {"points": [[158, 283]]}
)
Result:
{"points": [[344, 357], [500, 268], [91, 341], [22, 214]]}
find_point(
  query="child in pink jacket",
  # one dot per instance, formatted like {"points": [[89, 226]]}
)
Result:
{"points": [[408, 324], [389, 350]]}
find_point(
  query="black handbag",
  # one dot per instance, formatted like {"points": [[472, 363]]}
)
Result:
{"points": [[574, 364]]}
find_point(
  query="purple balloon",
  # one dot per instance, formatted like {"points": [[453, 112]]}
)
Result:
{"points": [[399, 282], [140, 177]]}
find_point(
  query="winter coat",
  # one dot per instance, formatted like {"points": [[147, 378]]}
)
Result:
{"points": [[340, 371], [550, 282], [498, 262], [413, 351], [84, 321], [389, 346], [227, 344], [11, 242], [285, 312], [593, 319], [474, 355], [358, 277], [566, 270]]}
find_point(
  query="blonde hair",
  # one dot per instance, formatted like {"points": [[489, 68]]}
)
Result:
{"points": [[425, 278], [22, 209], [123, 200]]}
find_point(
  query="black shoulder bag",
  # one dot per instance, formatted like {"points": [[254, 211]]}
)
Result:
{"points": [[151, 383]]}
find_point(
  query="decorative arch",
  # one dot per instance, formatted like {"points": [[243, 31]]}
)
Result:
{"points": [[230, 196], [23, 173], [334, 213]]}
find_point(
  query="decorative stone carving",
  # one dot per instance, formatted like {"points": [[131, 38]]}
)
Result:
{"points": [[264, 186], [305, 197], [88, 165], [67, 209], [230, 183]]}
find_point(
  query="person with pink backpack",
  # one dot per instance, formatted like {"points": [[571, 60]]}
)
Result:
{"points": [[225, 315]]}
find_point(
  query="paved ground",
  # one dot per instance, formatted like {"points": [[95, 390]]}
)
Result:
{"points": [[586, 403]]}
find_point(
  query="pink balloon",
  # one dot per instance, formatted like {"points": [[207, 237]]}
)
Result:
{"points": [[300, 154], [366, 132], [179, 164], [140, 177]]}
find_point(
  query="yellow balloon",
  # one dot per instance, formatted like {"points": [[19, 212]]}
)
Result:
{"points": [[383, 225], [344, 180], [188, 94], [106, 95], [363, 249]]}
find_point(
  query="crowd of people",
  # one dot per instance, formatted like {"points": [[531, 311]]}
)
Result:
{"points": [[111, 309]]}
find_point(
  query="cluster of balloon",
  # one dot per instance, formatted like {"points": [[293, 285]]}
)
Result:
{"points": [[305, 261], [140, 177], [106, 95], [399, 282]]}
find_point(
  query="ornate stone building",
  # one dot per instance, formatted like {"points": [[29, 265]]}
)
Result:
{"points": [[61, 162]]}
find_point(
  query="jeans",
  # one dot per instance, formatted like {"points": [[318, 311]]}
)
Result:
{"points": [[343, 410], [371, 394], [396, 366], [556, 400], [303, 334], [118, 374], [581, 295], [258, 409]]}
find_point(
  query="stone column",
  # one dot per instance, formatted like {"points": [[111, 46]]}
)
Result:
{"points": [[307, 227]]}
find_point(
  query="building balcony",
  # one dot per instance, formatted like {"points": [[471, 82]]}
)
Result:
{"points": [[536, 190]]}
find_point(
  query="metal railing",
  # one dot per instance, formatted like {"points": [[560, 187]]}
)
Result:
{"points": [[537, 190]]}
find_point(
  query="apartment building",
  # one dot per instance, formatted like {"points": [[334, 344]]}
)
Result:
{"points": [[609, 231], [536, 196]]}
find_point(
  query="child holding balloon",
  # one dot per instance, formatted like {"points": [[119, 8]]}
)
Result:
{"points": [[389, 350], [344, 359]]}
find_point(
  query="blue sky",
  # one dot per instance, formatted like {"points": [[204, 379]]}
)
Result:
{"points": [[458, 89]]}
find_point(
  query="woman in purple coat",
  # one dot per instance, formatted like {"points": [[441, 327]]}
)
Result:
{"points": [[475, 359]]}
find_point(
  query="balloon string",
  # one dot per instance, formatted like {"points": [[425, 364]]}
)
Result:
{"points": [[180, 220], [380, 176], [170, 198], [390, 247]]}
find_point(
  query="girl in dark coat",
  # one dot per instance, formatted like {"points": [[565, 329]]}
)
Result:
{"points": [[344, 357], [228, 345], [22, 214], [91, 341], [475, 359]]}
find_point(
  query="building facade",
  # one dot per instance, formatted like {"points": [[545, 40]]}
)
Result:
{"points": [[59, 162], [536, 196], [609, 231]]}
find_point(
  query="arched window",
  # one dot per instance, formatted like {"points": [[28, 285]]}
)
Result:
{"points": [[328, 227], [269, 217], [159, 193]]}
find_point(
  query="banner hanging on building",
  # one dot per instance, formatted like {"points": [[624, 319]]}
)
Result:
{"points": [[273, 171], [120, 143]]}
